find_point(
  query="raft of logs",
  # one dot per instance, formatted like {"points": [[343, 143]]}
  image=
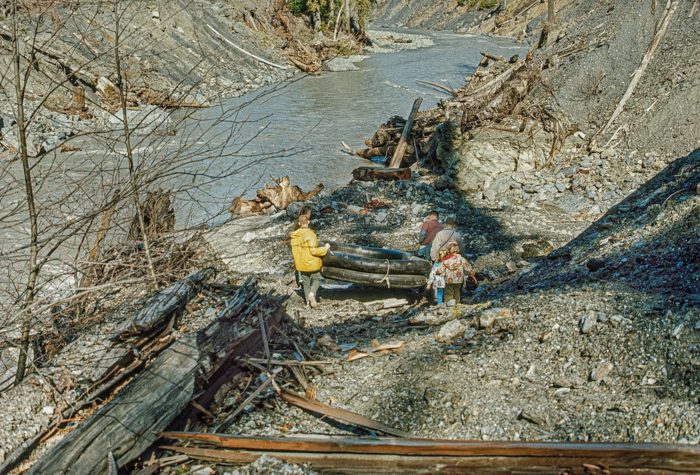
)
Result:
{"points": [[280, 196], [175, 379]]}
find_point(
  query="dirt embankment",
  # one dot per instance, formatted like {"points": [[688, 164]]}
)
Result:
{"points": [[173, 54]]}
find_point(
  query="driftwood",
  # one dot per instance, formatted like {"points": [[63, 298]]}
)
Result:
{"points": [[155, 398], [280, 195], [397, 158], [126, 424], [257, 58], [492, 57], [384, 174], [364, 455], [161, 306], [449, 90], [341, 415]]}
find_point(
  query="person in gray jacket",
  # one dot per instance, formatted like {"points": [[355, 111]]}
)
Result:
{"points": [[442, 238]]}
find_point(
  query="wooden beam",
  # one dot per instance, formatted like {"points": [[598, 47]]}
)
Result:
{"points": [[381, 174], [400, 151], [484, 457]]}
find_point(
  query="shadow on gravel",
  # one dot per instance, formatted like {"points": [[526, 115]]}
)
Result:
{"points": [[470, 219], [649, 242]]}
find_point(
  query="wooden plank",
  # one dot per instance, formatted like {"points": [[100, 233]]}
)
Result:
{"points": [[400, 151], [384, 463], [446, 447], [342, 415]]}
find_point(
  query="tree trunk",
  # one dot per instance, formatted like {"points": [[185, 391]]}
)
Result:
{"points": [[32, 264], [384, 174], [121, 80], [347, 16]]}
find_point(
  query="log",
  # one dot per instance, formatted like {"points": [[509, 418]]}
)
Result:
{"points": [[671, 7], [381, 174], [397, 158], [156, 397], [339, 414], [164, 304], [492, 57], [243, 207]]}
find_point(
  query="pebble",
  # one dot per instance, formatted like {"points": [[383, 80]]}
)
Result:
{"points": [[587, 322], [601, 371]]}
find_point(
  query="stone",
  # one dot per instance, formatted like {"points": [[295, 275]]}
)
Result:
{"points": [[594, 265], [568, 172], [587, 322], [201, 470], [540, 248], [469, 333], [248, 237], [531, 416], [340, 65], [608, 153], [48, 410], [451, 330], [601, 371], [488, 317]]}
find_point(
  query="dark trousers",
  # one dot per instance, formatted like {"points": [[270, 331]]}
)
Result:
{"points": [[310, 281]]}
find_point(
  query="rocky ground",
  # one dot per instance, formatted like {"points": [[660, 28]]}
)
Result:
{"points": [[585, 325]]}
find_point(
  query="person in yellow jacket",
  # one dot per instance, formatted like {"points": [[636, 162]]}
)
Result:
{"points": [[307, 258]]}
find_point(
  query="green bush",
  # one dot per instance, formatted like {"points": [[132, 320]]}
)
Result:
{"points": [[297, 7], [487, 4]]}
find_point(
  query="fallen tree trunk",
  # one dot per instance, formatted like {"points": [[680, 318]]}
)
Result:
{"points": [[126, 426], [397, 158], [383, 174]]}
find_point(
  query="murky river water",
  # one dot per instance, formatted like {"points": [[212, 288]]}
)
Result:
{"points": [[301, 126]]}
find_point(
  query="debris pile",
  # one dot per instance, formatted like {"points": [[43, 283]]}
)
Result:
{"points": [[280, 196]]}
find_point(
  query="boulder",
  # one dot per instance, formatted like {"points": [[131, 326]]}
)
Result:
{"points": [[488, 317], [451, 330]]}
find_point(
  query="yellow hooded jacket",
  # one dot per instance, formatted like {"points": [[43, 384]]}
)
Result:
{"points": [[307, 254]]}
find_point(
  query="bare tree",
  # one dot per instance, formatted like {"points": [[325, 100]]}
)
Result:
{"points": [[81, 191]]}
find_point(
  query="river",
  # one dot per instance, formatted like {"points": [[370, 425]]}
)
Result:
{"points": [[299, 127]]}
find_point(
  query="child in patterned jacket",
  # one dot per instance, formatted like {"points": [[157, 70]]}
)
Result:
{"points": [[453, 268]]}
